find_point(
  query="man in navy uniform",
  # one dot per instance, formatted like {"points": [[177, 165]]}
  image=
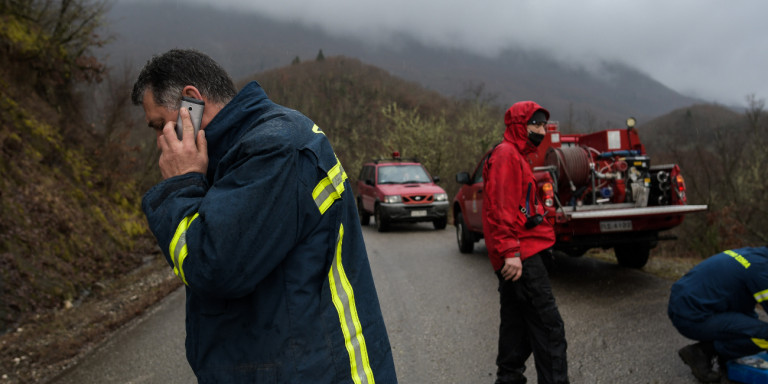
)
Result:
{"points": [[257, 218]]}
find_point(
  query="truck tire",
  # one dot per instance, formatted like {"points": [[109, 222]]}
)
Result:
{"points": [[365, 217], [440, 223], [574, 251], [463, 236], [632, 255], [381, 223]]}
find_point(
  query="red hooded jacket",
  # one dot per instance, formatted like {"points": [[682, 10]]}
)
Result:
{"points": [[507, 177]]}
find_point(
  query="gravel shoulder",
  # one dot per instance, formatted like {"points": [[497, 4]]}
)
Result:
{"points": [[43, 347]]}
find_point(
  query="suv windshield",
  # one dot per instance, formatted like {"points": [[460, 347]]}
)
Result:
{"points": [[402, 174]]}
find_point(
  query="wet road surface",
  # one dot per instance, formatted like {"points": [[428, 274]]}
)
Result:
{"points": [[441, 311]]}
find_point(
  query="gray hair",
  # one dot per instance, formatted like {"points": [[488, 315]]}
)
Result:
{"points": [[167, 75]]}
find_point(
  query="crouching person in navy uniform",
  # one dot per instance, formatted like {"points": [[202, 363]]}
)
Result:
{"points": [[714, 304], [256, 217]]}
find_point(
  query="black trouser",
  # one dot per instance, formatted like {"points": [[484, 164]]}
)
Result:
{"points": [[530, 323]]}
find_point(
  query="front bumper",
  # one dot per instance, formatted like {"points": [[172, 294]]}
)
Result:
{"points": [[414, 212]]}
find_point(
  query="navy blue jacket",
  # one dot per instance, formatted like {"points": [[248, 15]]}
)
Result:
{"points": [[731, 281], [269, 246]]}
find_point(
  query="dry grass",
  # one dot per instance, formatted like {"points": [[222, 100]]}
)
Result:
{"points": [[667, 267]]}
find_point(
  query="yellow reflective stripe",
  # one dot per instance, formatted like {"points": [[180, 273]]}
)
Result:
{"points": [[761, 296], [738, 258], [761, 343], [330, 188], [178, 248], [316, 129], [344, 300]]}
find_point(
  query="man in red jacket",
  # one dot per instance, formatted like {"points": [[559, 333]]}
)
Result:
{"points": [[518, 237]]}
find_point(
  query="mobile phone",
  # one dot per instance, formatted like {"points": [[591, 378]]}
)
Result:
{"points": [[195, 108]]}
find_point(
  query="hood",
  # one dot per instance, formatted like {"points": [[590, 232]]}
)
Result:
{"points": [[516, 119], [410, 189]]}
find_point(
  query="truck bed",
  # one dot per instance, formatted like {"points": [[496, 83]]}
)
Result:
{"points": [[625, 210]]}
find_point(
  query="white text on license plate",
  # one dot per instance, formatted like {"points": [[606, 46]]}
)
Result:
{"points": [[420, 213], [616, 226]]}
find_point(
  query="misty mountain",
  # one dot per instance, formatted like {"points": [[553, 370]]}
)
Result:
{"points": [[245, 44], [702, 126]]}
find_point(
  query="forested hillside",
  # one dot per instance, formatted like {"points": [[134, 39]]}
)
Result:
{"points": [[723, 155], [70, 222], [367, 113], [69, 203]]}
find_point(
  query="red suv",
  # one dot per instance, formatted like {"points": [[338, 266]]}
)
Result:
{"points": [[400, 190]]}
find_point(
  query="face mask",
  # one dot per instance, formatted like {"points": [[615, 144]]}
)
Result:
{"points": [[535, 138]]}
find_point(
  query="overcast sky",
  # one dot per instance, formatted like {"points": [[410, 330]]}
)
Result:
{"points": [[716, 50]]}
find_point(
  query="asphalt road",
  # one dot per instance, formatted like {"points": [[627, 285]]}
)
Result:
{"points": [[441, 310]]}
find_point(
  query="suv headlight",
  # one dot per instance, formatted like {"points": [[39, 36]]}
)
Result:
{"points": [[392, 199], [441, 196]]}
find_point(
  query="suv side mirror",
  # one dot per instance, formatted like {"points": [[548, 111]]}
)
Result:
{"points": [[368, 182], [462, 178], [436, 179]]}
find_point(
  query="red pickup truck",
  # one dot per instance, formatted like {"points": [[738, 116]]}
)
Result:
{"points": [[600, 191]]}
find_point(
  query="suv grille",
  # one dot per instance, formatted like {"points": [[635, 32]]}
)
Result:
{"points": [[418, 199]]}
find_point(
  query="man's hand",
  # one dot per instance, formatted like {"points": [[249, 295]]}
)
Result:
{"points": [[512, 269], [180, 157]]}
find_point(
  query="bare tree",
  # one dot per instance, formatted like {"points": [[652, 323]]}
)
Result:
{"points": [[754, 111], [570, 124], [590, 120]]}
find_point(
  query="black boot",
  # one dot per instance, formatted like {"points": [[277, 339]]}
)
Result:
{"points": [[699, 358]]}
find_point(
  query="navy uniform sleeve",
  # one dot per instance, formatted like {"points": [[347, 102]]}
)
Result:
{"points": [[223, 242], [758, 280], [169, 203]]}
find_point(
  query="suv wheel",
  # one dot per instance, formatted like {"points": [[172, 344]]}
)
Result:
{"points": [[365, 217], [381, 223], [440, 223], [463, 237], [632, 255]]}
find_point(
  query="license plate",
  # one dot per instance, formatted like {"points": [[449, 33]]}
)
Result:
{"points": [[421, 213], [616, 226]]}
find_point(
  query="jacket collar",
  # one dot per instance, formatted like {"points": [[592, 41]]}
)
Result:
{"points": [[237, 117], [516, 119]]}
